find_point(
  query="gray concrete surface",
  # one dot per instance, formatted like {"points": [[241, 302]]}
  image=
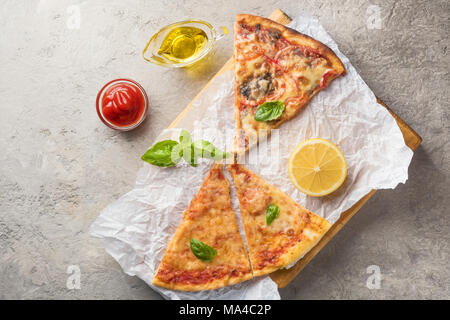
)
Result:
{"points": [[59, 165]]}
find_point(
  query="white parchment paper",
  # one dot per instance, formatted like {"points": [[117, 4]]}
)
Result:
{"points": [[136, 228]]}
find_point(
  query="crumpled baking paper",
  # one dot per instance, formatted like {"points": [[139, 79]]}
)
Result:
{"points": [[137, 228]]}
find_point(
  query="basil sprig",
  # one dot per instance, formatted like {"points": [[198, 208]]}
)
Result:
{"points": [[272, 213], [269, 111], [202, 251], [168, 153]]}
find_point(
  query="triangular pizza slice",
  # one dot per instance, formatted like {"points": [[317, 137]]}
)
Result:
{"points": [[207, 251], [279, 231], [277, 71]]}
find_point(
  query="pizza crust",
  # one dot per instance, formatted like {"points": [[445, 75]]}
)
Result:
{"points": [[212, 285], [295, 37]]}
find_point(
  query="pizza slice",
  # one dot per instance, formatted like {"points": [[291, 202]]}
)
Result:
{"points": [[279, 231], [207, 251], [277, 71]]}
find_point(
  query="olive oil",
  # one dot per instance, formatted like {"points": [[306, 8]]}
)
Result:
{"points": [[183, 43]]}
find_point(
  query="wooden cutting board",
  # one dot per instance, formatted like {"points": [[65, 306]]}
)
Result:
{"points": [[412, 140]]}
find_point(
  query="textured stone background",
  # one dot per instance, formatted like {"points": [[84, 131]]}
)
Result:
{"points": [[59, 165]]}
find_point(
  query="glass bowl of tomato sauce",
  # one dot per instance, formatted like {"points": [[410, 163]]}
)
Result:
{"points": [[122, 104]]}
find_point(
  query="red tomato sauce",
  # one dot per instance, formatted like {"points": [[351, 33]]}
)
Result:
{"points": [[122, 103]]}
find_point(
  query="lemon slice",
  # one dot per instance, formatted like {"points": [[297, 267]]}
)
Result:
{"points": [[317, 167]]}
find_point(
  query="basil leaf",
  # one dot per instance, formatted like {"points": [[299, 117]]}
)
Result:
{"points": [[269, 111], [165, 153], [206, 149], [202, 251], [272, 213], [185, 137]]}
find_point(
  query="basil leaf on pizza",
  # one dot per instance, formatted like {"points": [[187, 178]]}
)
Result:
{"points": [[269, 111], [165, 153], [272, 213], [202, 251]]}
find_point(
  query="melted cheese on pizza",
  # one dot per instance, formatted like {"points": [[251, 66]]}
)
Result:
{"points": [[290, 236], [211, 220], [257, 60]]}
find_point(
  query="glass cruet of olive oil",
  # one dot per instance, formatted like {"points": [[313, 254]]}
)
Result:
{"points": [[182, 43]]}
